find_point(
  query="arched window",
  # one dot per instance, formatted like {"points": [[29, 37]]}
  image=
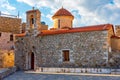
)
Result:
{"points": [[71, 24], [32, 21], [58, 23], [0, 34], [11, 37]]}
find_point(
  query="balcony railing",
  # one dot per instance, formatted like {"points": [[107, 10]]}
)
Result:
{"points": [[7, 15]]}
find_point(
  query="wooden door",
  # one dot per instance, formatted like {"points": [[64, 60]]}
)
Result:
{"points": [[32, 61]]}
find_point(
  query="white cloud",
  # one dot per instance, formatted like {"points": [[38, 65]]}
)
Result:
{"points": [[117, 3], [6, 12], [49, 16], [23, 16], [30, 2], [91, 12], [5, 4]]}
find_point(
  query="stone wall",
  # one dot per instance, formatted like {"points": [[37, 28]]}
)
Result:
{"points": [[23, 27], [114, 59], [0, 60], [117, 28], [5, 43], [6, 58], [44, 27], [110, 34], [65, 21], [115, 43], [87, 49], [8, 24], [114, 55], [6, 50]]}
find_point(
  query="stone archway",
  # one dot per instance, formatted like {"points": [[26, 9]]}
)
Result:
{"points": [[30, 61]]}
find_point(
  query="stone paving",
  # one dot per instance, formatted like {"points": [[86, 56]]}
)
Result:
{"points": [[60, 76]]}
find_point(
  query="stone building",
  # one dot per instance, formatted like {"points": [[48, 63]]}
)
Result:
{"points": [[8, 24], [63, 46], [8, 27], [115, 43], [6, 49]]}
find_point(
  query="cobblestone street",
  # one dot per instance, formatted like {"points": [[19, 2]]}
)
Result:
{"points": [[58, 76]]}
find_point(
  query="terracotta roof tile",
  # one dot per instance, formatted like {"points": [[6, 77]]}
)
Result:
{"points": [[74, 30], [32, 11], [62, 12], [79, 29], [20, 35]]}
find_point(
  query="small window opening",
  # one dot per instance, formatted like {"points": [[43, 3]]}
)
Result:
{"points": [[11, 37], [0, 34], [66, 55], [58, 23], [32, 21]]}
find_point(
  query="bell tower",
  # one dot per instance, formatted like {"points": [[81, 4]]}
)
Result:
{"points": [[33, 21]]}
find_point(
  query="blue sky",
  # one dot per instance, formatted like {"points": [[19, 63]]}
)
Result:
{"points": [[86, 12]]}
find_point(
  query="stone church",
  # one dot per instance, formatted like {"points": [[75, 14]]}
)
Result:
{"points": [[63, 46]]}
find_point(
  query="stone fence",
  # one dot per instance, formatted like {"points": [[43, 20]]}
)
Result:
{"points": [[76, 70], [79, 70], [6, 71]]}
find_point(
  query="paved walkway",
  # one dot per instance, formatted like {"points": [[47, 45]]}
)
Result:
{"points": [[60, 76]]}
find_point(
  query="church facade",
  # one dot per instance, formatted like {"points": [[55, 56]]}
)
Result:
{"points": [[63, 45]]}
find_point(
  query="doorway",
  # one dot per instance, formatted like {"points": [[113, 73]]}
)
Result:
{"points": [[32, 60]]}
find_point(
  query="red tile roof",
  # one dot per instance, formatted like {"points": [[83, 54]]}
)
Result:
{"points": [[116, 37], [79, 29], [32, 11], [74, 30], [20, 35], [62, 12]]}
